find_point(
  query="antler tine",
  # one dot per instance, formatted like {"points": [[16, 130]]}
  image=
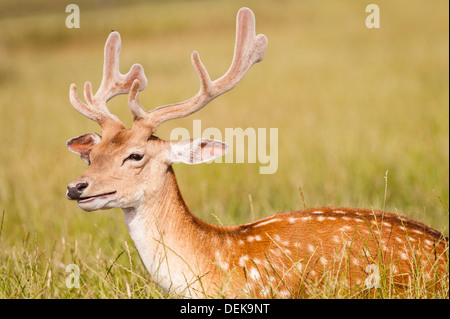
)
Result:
{"points": [[113, 83], [133, 101], [249, 49]]}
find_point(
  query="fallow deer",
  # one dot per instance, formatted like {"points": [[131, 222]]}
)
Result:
{"points": [[279, 256]]}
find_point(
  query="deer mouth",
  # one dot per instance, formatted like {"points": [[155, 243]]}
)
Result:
{"points": [[91, 198]]}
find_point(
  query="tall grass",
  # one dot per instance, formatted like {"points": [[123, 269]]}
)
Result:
{"points": [[350, 103]]}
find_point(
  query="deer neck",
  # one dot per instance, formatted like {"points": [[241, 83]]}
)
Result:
{"points": [[166, 235]]}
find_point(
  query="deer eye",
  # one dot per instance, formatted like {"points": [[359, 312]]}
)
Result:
{"points": [[135, 157]]}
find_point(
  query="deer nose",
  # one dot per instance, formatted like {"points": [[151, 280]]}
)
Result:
{"points": [[74, 192]]}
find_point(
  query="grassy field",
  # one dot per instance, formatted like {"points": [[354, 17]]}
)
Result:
{"points": [[356, 109]]}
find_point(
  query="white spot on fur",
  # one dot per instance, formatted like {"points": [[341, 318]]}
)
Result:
{"points": [[250, 238], [254, 274], [428, 242], [317, 212], [284, 293], [320, 218], [331, 218], [418, 232], [257, 238], [222, 264], [345, 228], [242, 260], [292, 220], [398, 239], [311, 248], [272, 220], [323, 261], [241, 242], [404, 256], [394, 269]]}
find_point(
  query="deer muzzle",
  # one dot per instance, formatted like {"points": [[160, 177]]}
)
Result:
{"points": [[75, 192]]}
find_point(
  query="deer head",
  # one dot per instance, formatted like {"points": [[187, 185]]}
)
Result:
{"points": [[127, 164]]}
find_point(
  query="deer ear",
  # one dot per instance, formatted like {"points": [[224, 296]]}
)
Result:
{"points": [[82, 145], [196, 151]]}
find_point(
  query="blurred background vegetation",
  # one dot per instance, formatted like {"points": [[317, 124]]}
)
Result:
{"points": [[350, 103]]}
